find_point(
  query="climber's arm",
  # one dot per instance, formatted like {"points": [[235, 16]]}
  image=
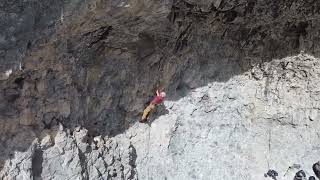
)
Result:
{"points": [[159, 90]]}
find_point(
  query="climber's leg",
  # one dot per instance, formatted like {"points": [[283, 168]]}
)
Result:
{"points": [[147, 112]]}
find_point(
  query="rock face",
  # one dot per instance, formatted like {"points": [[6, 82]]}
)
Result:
{"points": [[21, 23], [239, 128], [225, 130], [242, 98], [60, 154], [316, 169], [26, 24]]}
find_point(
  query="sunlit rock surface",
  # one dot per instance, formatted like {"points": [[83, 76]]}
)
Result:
{"points": [[242, 79]]}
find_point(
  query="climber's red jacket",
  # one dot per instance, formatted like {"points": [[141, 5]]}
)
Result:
{"points": [[157, 100]]}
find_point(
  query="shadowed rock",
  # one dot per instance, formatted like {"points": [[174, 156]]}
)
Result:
{"points": [[96, 67], [316, 169], [300, 175]]}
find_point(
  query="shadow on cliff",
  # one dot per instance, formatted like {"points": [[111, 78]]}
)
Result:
{"points": [[106, 74], [114, 72]]}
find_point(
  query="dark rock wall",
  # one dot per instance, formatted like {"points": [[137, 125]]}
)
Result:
{"points": [[25, 25], [21, 24], [98, 65]]}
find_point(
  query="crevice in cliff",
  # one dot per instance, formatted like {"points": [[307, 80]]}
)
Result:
{"points": [[37, 161], [132, 161], [97, 35], [172, 134], [83, 163]]}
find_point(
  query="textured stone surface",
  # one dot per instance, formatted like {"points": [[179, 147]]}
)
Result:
{"points": [[316, 169], [224, 130], [235, 109], [238, 129], [27, 24], [94, 69], [70, 157]]}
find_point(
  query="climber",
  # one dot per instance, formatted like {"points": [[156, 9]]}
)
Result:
{"points": [[156, 100]]}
